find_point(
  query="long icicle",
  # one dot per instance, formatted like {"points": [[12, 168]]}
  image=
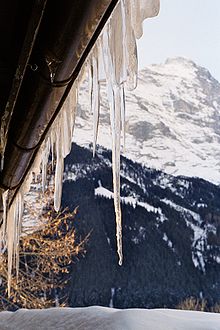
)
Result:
{"points": [[3, 227], [114, 71], [62, 140], [59, 170], [14, 219], [95, 96], [122, 106]]}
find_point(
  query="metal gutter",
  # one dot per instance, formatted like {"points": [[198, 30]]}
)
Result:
{"points": [[58, 55]]}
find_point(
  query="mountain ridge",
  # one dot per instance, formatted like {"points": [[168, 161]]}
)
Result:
{"points": [[172, 121]]}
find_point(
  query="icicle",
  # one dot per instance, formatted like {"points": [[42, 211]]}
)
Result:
{"points": [[59, 139], [120, 65], [59, 170], [95, 96], [130, 49], [69, 114], [114, 65], [2, 161], [122, 98], [116, 134], [52, 143], [90, 83], [45, 157], [14, 218], [62, 139], [58, 183], [19, 210], [10, 243], [66, 131], [140, 10], [115, 116], [4, 222]]}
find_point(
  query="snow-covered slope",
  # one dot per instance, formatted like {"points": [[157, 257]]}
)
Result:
{"points": [[172, 120], [171, 234], [102, 318]]}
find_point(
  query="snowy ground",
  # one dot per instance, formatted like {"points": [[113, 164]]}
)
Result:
{"points": [[102, 318]]}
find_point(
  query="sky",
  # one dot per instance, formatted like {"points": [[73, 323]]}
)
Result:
{"points": [[189, 28]]}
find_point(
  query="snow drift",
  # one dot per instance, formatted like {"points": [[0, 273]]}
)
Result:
{"points": [[102, 318]]}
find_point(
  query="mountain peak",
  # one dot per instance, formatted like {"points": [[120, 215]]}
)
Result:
{"points": [[180, 66], [180, 60], [172, 120]]}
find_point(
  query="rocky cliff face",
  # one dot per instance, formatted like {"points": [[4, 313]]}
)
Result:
{"points": [[171, 234], [172, 120]]}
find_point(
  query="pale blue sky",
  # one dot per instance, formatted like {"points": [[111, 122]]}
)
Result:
{"points": [[189, 28]]}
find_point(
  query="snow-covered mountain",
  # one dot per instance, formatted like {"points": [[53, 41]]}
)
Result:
{"points": [[171, 223], [172, 120], [171, 234]]}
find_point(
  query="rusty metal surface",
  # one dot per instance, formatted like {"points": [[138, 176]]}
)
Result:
{"points": [[67, 33]]}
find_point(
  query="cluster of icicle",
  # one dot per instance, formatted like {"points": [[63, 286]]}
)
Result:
{"points": [[114, 56]]}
